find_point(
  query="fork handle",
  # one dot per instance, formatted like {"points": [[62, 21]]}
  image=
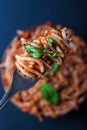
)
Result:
{"points": [[5, 98]]}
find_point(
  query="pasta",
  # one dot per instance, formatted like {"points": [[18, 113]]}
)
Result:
{"points": [[49, 47], [69, 80]]}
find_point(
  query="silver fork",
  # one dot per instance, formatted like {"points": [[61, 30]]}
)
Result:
{"points": [[19, 83]]}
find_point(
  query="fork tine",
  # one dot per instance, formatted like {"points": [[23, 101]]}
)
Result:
{"points": [[5, 98]]}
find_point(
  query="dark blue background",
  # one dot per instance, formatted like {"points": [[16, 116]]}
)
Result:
{"points": [[22, 14]]}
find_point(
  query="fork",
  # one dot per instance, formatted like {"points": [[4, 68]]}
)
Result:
{"points": [[18, 84]]}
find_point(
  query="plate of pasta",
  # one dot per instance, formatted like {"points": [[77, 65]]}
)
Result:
{"points": [[58, 57]]}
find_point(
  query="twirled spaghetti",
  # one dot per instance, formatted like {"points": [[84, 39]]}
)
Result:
{"points": [[50, 46]]}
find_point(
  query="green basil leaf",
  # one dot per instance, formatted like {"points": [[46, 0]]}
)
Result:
{"points": [[33, 51], [49, 93], [50, 41], [50, 53], [35, 55], [46, 73], [54, 67]]}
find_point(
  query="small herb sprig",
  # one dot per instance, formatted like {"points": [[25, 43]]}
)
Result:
{"points": [[37, 53], [33, 51], [49, 93], [51, 41], [53, 69]]}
